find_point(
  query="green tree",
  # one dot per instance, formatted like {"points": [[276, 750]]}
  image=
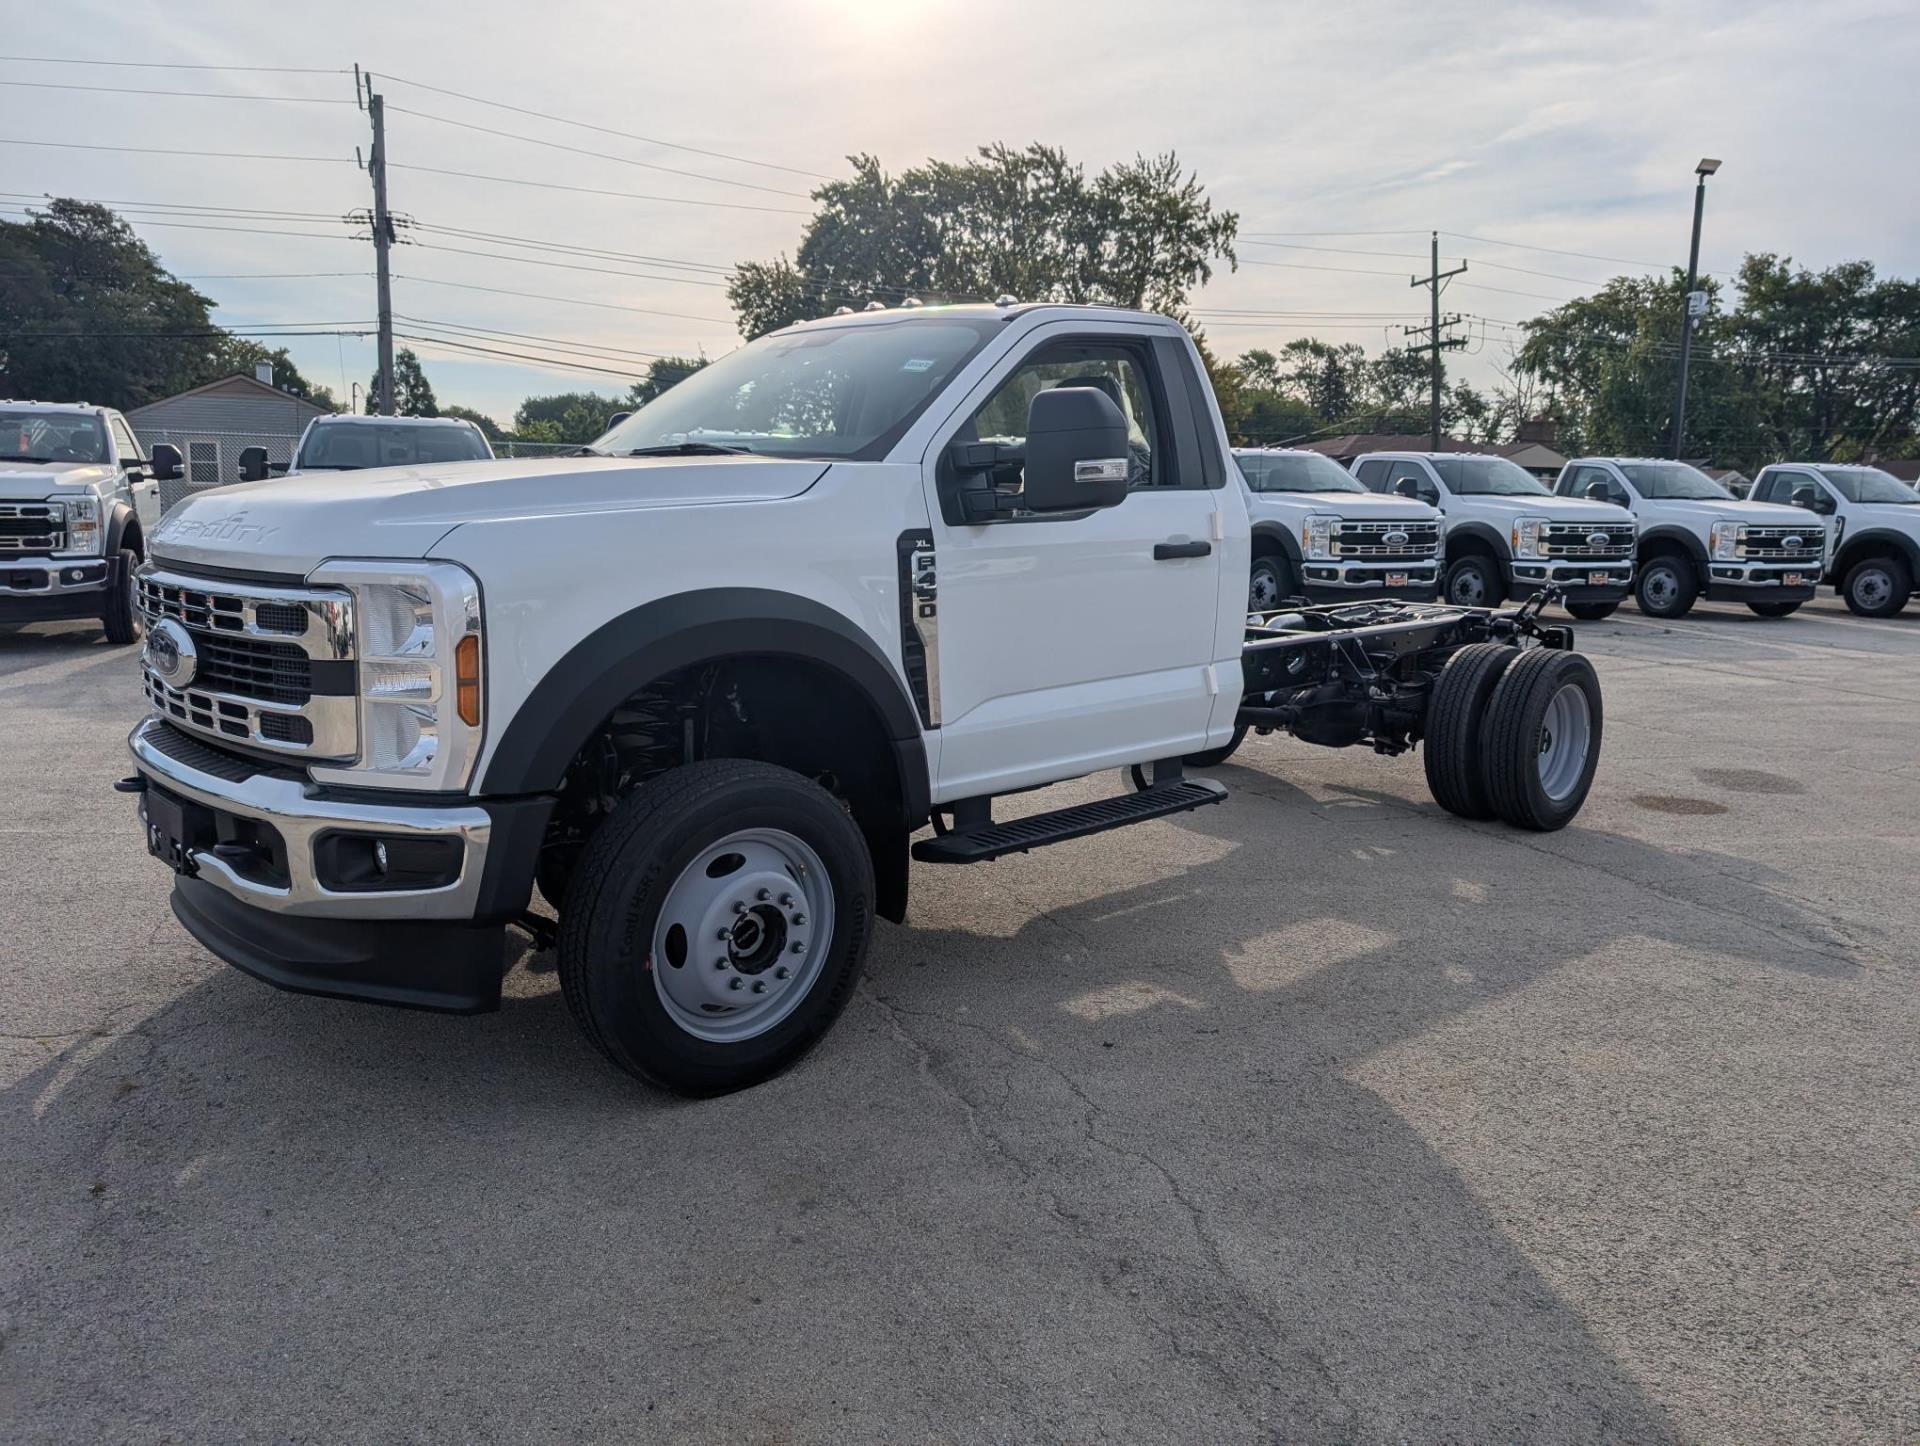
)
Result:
{"points": [[489, 428], [240, 356], [412, 392], [668, 371], [565, 417], [1025, 223]]}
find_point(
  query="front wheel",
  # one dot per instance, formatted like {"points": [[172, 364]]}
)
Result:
{"points": [[1271, 583], [1591, 612], [1540, 742], [119, 618], [1877, 588], [1665, 587], [1774, 609], [1474, 582], [716, 925]]}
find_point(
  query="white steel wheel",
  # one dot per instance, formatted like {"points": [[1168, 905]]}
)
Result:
{"points": [[742, 935], [1566, 737]]}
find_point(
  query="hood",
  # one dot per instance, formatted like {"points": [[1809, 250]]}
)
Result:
{"points": [[1380, 506], [1560, 509], [291, 524], [34, 480], [1759, 514]]}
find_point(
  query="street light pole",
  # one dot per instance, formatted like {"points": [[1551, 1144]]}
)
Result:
{"points": [[1694, 308]]}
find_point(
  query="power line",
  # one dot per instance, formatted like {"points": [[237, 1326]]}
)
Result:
{"points": [[201, 226], [173, 65], [597, 155], [558, 343], [527, 295], [604, 130], [1582, 255], [627, 374], [582, 190], [180, 207], [641, 310], [183, 94], [164, 151], [565, 266], [209, 334], [1304, 266]]}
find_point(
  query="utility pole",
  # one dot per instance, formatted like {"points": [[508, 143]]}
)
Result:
{"points": [[382, 240], [1436, 343], [1696, 304]]}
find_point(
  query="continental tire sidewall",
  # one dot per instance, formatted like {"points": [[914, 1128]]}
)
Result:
{"points": [[119, 619], [615, 897], [1510, 739]]}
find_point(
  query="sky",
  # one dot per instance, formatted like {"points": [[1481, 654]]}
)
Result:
{"points": [[1341, 135]]}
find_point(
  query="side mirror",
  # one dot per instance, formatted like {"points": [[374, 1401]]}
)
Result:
{"points": [[166, 462], [1076, 454], [615, 420], [1806, 497], [253, 464], [1599, 492], [1410, 487]]}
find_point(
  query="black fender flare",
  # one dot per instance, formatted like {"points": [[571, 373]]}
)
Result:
{"points": [[1284, 536], [1479, 532], [626, 653], [1875, 540], [1652, 539], [120, 520]]}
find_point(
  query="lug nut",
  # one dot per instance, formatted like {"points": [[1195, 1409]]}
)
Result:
{"points": [[734, 983], [799, 919], [764, 895], [786, 901], [782, 972], [723, 935], [798, 947], [759, 986], [739, 907], [720, 963]]}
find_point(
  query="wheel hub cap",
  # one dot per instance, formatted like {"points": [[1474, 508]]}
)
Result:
{"points": [[742, 935], [1874, 588], [1566, 735]]}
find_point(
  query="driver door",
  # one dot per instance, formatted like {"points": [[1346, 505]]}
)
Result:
{"points": [[1072, 642]]}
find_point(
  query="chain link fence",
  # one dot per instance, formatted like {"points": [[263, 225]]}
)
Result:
{"points": [[210, 459]]}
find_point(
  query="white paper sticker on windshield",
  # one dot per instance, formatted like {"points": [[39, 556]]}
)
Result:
{"points": [[918, 364]]}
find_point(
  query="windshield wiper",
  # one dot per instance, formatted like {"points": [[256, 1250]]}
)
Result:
{"points": [[18, 457], [690, 449]]}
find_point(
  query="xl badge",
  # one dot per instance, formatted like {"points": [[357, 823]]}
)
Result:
{"points": [[170, 654]]}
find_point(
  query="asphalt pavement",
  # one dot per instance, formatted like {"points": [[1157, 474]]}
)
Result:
{"points": [[1318, 1115]]}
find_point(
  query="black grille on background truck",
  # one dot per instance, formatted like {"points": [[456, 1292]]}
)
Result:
{"points": [[32, 527]]}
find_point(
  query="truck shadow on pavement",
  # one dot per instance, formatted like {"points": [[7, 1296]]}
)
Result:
{"points": [[1142, 1164]]}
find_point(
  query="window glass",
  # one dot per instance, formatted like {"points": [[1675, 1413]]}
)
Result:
{"points": [[845, 392], [1372, 474], [1673, 482], [1870, 485], [1781, 486], [1295, 472], [1488, 477], [1115, 370], [349, 446], [123, 439], [51, 437], [1400, 470]]}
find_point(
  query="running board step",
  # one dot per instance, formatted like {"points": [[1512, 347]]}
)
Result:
{"points": [[1038, 830]]}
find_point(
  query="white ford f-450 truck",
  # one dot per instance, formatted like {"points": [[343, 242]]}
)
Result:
{"points": [[1873, 553], [1698, 540], [703, 685]]}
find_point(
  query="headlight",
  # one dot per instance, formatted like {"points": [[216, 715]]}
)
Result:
{"points": [[1729, 541], [1316, 536], [419, 641], [1526, 536], [83, 527]]}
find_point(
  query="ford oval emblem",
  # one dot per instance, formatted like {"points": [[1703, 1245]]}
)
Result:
{"points": [[1599, 539], [170, 654], [1792, 544], [1394, 539]]}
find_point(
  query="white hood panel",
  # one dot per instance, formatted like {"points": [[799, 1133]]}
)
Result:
{"points": [[291, 524]]}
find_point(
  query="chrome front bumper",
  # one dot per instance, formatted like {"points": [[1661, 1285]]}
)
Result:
{"points": [[52, 577], [292, 809]]}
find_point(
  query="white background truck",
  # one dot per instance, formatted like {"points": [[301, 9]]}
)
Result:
{"points": [[1698, 540], [1874, 522], [702, 686], [77, 503], [1318, 534], [346, 442], [1507, 535]]}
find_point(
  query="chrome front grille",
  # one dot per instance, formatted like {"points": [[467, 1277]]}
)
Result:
{"points": [[274, 667], [1412, 541], [32, 528], [1768, 544], [1604, 541]]}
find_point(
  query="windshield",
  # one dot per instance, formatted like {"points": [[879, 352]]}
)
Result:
{"points": [[1870, 484], [52, 437], [349, 446], [1488, 477], [1673, 482], [845, 392], [1295, 472]]}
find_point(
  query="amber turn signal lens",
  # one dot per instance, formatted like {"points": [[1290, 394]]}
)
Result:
{"points": [[466, 675]]}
